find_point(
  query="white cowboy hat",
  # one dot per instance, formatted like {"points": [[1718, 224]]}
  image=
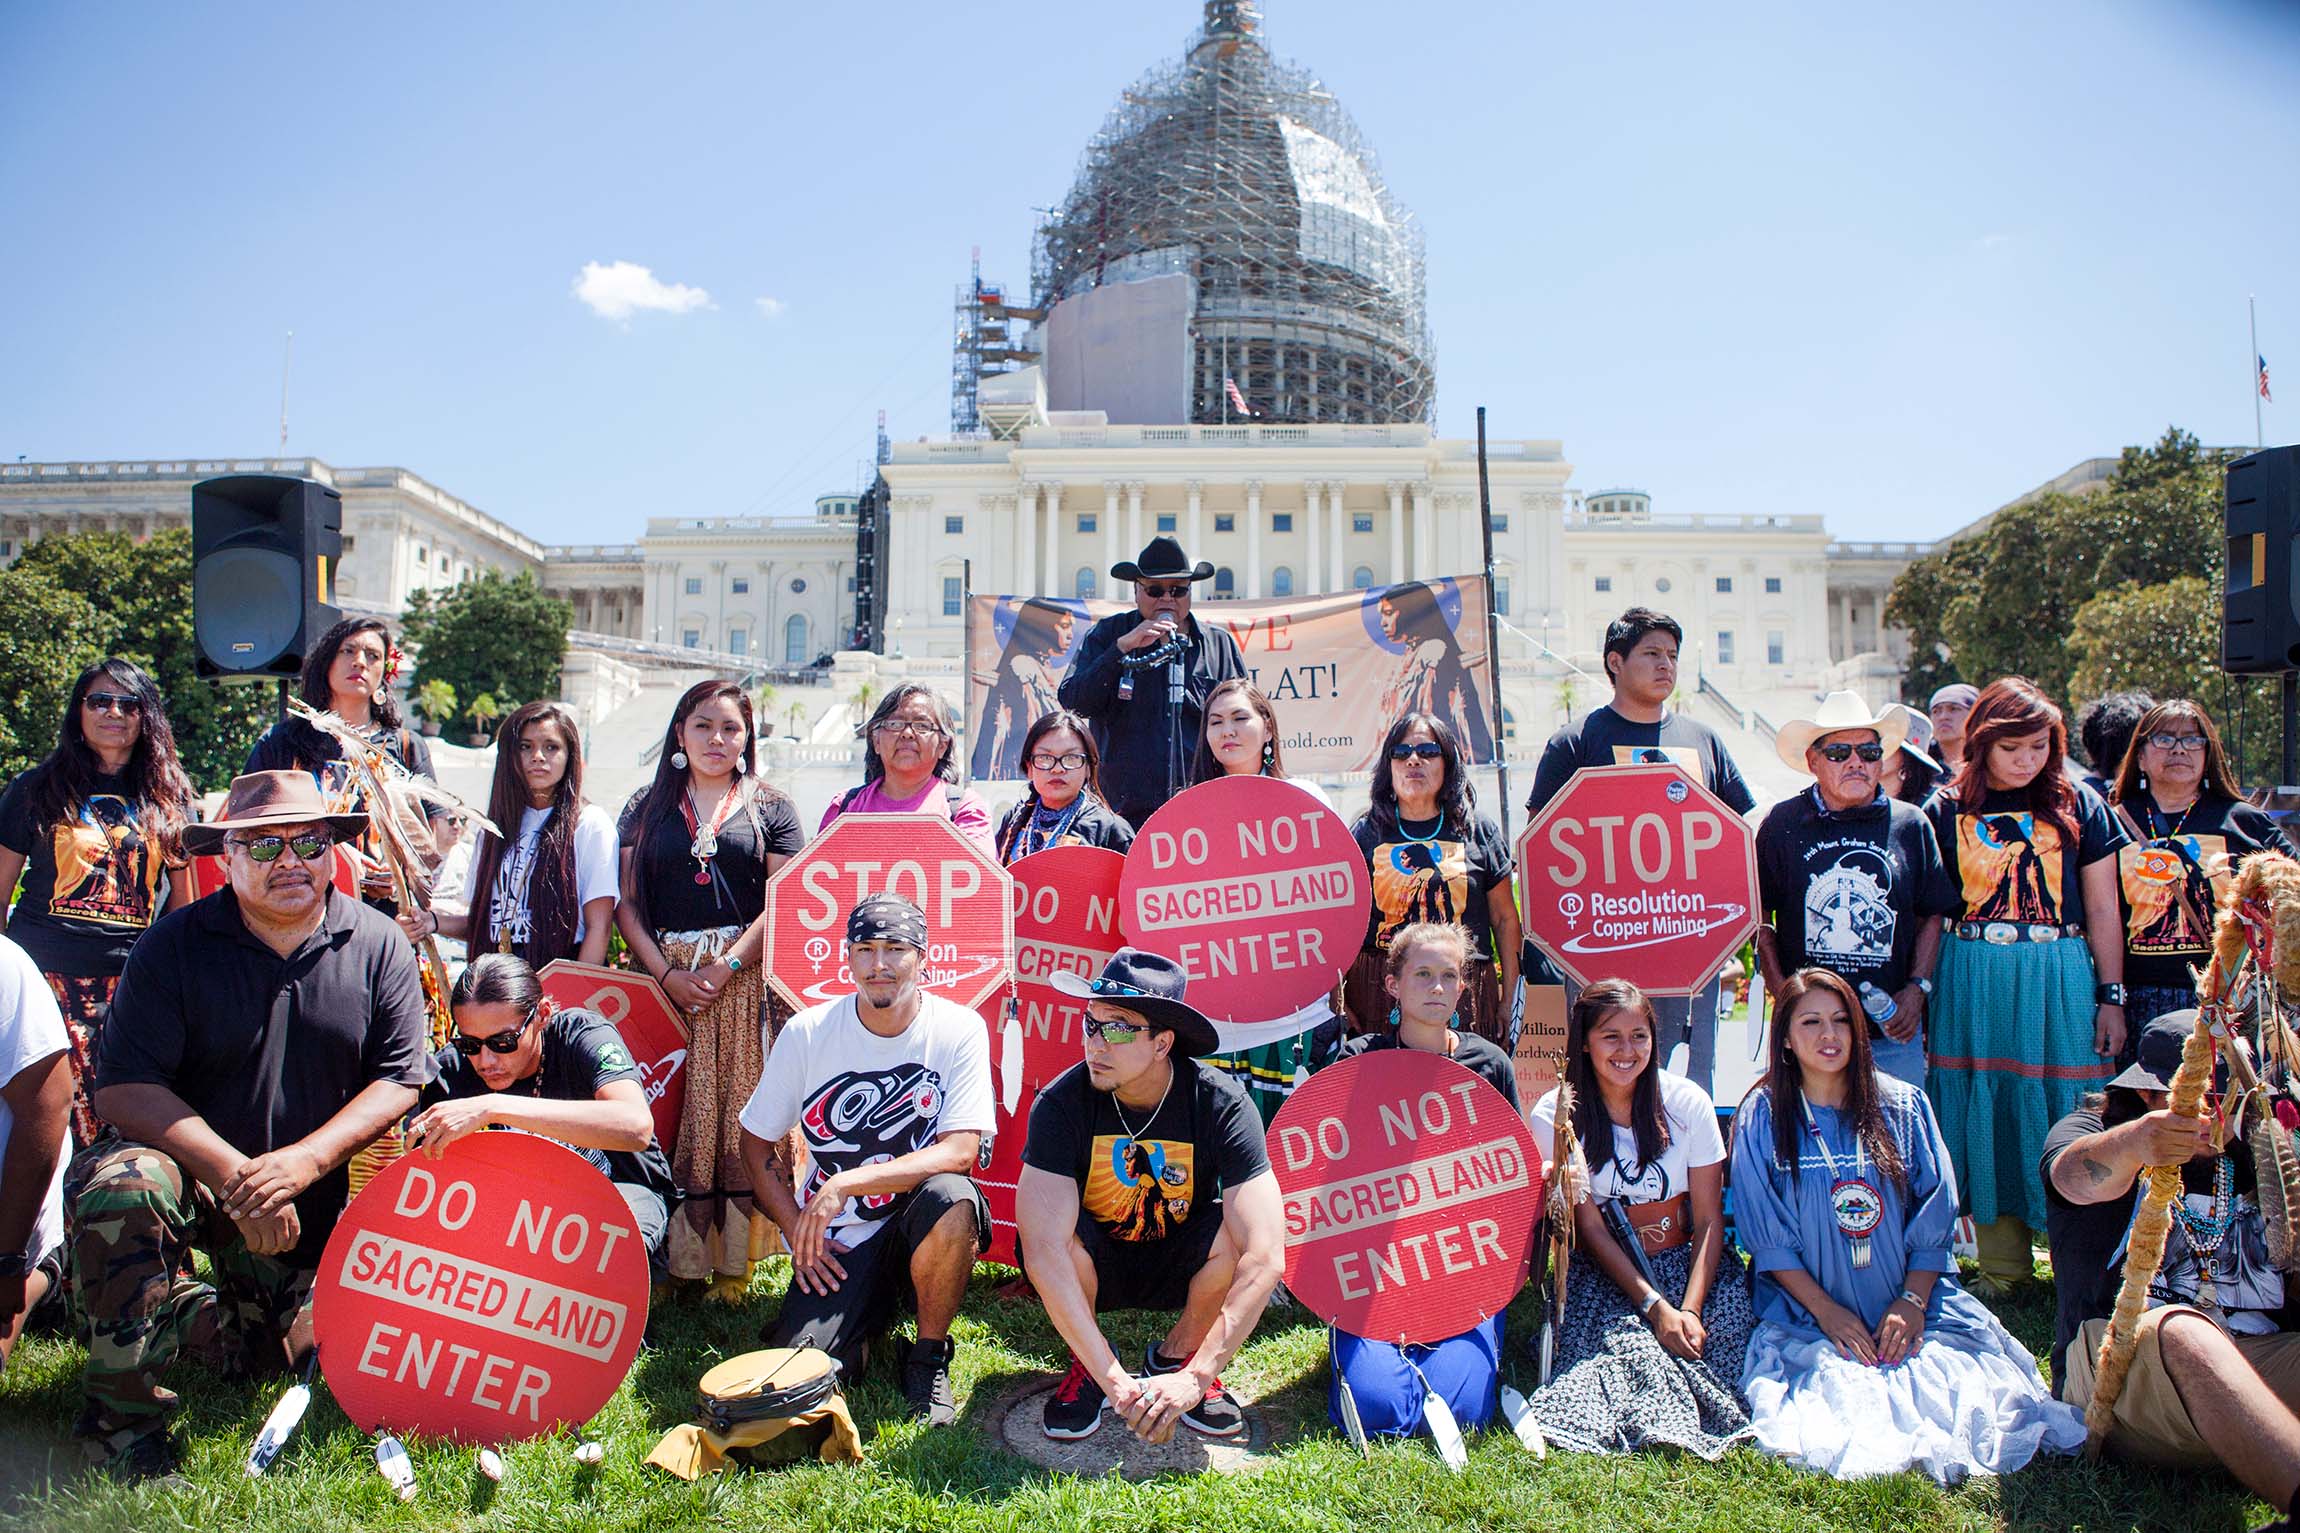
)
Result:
{"points": [[1839, 710]]}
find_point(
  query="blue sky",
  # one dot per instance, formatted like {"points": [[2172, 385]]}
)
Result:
{"points": [[1892, 265]]}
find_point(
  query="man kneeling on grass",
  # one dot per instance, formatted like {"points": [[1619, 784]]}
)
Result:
{"points": [[1145, 1185], [891, 1088]]}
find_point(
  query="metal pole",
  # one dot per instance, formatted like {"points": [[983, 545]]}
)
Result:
{"points": [[2291, 730], [287, 355], [2259, 441], [1492, 623]]}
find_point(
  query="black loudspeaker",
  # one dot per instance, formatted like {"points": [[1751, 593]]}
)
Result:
{"points": [[264, 552], [2260, 620]]}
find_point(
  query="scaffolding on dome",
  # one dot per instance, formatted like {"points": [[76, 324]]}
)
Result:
{"points": [[1248, 176], [984, 341]]}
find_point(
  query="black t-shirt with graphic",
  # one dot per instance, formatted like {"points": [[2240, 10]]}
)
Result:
{"points": [[581, 1053], [1469, 1051], [1433, 870], [92, 883], [1142, 1184], [2009, 865], [1602, 737], [735, 888], [1847, 891], [2169, 883]]}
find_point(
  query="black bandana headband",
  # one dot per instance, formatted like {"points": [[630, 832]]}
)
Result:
{"points": [[887, 918]]}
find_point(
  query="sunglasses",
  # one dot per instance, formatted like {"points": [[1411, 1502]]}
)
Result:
{"points": [[505, 1042], [1069, 762], [121, 703], [1157, 592], [1428, 750], [310, 845], [1840, 753], [1116, 1034]]}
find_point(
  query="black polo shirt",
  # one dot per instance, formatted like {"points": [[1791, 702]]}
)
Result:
{"points": [[267, 1049]]}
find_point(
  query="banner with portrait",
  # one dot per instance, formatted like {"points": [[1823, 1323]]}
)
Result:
{"points": [[1338, 669]]}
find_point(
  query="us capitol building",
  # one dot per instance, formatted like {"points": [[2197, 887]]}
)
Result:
{"points": [[1225, 340]]}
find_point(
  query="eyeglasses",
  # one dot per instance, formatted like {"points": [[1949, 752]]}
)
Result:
{"points": [[1840, 753], [2177, 744], [124, 704], [505, 1042], [1158, 592], [1427, 750], [1115, 1035], [1069, 762], [909, 729], [310, 845]]}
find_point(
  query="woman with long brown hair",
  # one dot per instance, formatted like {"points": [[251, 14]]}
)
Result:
{"points": [[1643, 1361], [1868, 1358], [699, 843], [1063, 805], [2176, 796], [96, 833], [2029, 1011], [550, 891]]}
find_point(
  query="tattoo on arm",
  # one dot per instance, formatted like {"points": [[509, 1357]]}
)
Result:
{"points": [[2094, 1171]]}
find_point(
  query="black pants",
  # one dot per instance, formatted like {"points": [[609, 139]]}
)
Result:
{"points": [[1149, 1274], [877, 1284]]}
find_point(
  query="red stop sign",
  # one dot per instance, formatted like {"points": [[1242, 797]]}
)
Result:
{"points": [[922, 857], [1639, 873], [650, 1026], [1412, 1191], [494, 1294]]}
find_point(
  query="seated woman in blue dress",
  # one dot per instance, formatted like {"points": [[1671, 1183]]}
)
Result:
{"points": [[1868, 1358]]}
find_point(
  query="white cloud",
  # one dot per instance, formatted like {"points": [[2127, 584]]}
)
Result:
{"points": [[1992, 242], [619, 289], [773, 308]]}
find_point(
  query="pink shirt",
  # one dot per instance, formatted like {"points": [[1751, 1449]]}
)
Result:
{"points": [[969, 813]]}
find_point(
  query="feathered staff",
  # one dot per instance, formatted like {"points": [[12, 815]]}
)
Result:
{"points": [[2260, 916], [1568, 1184]]}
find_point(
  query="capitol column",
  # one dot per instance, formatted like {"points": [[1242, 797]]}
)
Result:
{"points": [[1026, 539], [1053, 524], [1313, 502], [1107, 582], [1253, 538], [1195, 526], [1134, 514], [1397, 489], [1425, 537], [1337, 549]]}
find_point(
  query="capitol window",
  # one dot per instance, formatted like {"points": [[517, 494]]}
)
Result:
{"points": [[1772, 585], [1724, 646], [694, 585], [953, 595], [1604, 583], [1225, 582], [1225, 522], [1501, 521], [798, 585], [1363, 521], [1165, 521], [1281, 581], [1086, 521], [1362, 578], [1724, 585], [738, 641], [952, 526], [1661, 583], [1501, 594], [1776, 646], [691, 638], [1281, 521], [1082, 584], [742, 585]]}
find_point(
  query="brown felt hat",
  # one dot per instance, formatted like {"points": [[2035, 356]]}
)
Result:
{"points": [[266, 801]]}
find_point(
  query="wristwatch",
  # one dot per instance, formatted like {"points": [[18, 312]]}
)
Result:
{"points": [[1924, 985], [2108, 993]]}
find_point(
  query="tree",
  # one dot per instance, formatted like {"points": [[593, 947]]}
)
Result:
{"points": [[45, 642], [485, 710], [2164, 640], [494, 633], [436, 701], [141, 600]]}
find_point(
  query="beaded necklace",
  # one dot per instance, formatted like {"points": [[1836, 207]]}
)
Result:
{"points": [[2206, 1231]]}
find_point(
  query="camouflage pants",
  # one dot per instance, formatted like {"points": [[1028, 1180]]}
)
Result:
{"points": [[136, 1221]]}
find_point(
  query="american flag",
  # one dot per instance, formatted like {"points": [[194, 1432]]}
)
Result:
{"points": [[2264, 394], [1238, 400]]}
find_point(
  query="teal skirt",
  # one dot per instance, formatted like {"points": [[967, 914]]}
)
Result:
{"points": [[2011, 1037]]}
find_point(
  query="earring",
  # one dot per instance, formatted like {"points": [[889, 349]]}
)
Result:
{"points": [[741, 766], [1269, 753], [1397, 1017], [678, 761]]}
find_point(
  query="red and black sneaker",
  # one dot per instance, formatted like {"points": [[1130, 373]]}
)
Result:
{"points": [[1074, 1410], [1217, 1415]]}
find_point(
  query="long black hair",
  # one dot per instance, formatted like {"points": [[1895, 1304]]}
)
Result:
{"points": [[1592, 1121], [945, 768], [1019, 817], [155, 777], [1206, 767], [669, 789], [497, 979], [1864, 1100], [552, 907], [320, 659], [1457, 799]]}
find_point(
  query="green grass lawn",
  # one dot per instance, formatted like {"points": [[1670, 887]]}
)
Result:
{"points": [[960, 1478]]}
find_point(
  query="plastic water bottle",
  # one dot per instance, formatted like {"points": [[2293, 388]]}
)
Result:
{"points": [[1880, 1006]]}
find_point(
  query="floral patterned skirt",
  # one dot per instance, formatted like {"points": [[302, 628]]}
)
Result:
{"points": [[719, 1230]]}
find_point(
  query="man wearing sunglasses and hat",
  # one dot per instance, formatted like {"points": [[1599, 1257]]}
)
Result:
{"points": [[259, 1037], [2216, 1377], [1145, 1185], [1123, 680], [1851, 880]]}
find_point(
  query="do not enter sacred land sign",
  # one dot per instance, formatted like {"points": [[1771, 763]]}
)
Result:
{"points": [[1639, 873], [1255, 888], [1412, 1191], [491, 1295]]}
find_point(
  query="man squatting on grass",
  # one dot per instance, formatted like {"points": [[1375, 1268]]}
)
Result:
{"points": [[1145, 1185]]}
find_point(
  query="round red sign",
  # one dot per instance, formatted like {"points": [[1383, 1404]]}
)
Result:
{"points": [[650, 1026], [969, 924], [1639, 873], [1412, 1193], [1255, 888], [494, 1294]]}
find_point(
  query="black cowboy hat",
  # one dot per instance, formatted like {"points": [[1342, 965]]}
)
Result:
{"points": [[1151, 984], [1161, 559]]}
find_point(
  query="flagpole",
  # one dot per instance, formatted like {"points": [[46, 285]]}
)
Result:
{"points": [[2259, 438]]}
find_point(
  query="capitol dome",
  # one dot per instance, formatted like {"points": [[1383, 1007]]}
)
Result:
{"points": [[1247, 176]]}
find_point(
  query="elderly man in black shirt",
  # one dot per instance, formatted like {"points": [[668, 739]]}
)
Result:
{"points": [[1119, 681], [259, 1038]]}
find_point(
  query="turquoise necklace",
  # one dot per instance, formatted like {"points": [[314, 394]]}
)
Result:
{"points": [[2207, 1231]]}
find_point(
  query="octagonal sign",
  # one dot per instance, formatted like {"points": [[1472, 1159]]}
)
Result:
{"points": [[1639, 873], [651, 1027], [967, 897]]}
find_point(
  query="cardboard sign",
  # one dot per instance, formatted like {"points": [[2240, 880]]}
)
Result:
{"points": [[209, 875], [1255, 888], [1639, 873], [651, 1027], [1540, 1043], [1412, 1196], [494, 1294], [1065, 921]]}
